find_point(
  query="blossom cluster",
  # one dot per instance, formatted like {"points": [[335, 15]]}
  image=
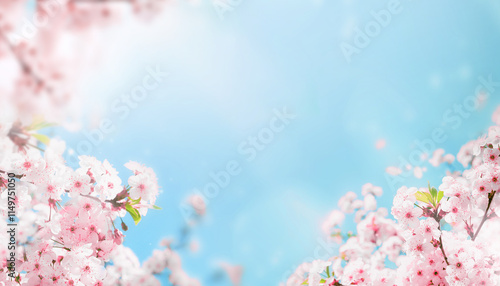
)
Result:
{"points": [[66, 229], [436, 236], [66, 217], [43, 57], [128, 271]]}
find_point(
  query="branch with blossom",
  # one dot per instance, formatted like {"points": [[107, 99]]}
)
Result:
{"points": [[66, 217], [440, 236], [42, 43]]}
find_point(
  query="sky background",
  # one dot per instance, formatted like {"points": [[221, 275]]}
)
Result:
{"points": [[228, 75]]}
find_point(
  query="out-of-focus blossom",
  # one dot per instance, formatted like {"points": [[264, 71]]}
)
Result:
{"points": [[380, 144], [394, 171]]}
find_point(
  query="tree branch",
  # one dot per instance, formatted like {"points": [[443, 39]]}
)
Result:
{"points": [[441, 246], [485, 217], [26, 68]]}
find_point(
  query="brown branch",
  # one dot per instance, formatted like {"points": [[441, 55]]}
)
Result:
{"points": [[26, 68], [442, 250], [438, 220], [16, 176], [441, 246], [485, 217]]}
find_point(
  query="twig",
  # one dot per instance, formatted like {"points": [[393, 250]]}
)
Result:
{"points": [[442, 250], [490, 199], [441, 240], [24, 65]]}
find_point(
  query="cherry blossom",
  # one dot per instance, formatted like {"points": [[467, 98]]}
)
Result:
{"points": [[393, 171], [67, 217], [439, 157], [380, 144], [443, 235]]}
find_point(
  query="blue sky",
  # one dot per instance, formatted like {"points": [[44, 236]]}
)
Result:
{"points": [[227, 76]]}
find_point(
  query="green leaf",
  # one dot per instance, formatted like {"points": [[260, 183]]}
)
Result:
{"points": [[422, 197], [306, 282], [434, 192], [156, 207], [440, 196], [134, 213], [42, 138], [429, 196], [135, 202], [38, 124], [425, 198]]}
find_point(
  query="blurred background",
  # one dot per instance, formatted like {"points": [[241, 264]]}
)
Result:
{"points": [[220, 75]]}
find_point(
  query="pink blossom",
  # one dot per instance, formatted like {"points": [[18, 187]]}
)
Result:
{"points": [[348, 203], [407, 214], [235, 272], [380, 144], [394, 171]]}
